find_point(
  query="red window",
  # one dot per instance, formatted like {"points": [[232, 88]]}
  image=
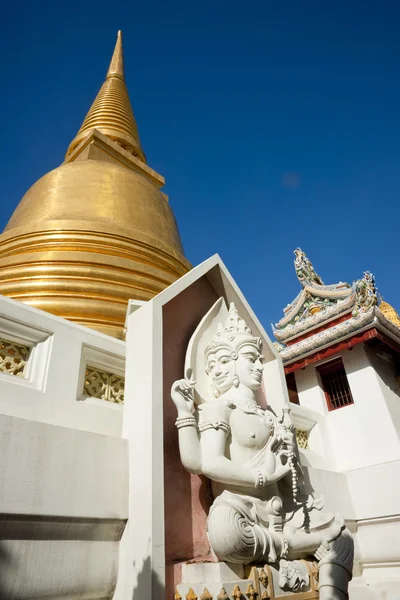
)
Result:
{"points": [[335, 384], [292, 388]]}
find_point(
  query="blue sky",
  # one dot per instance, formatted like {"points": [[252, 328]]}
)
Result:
{"points": [[276, 124]]}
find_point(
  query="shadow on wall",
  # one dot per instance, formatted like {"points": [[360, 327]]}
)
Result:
{"points": [[141, 590], [5, 566]]}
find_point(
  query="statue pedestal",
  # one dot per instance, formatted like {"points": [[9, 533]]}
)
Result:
{"points": [[225, 581]]}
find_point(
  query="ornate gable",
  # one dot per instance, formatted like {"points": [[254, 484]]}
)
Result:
{"points": [[318, 303]]}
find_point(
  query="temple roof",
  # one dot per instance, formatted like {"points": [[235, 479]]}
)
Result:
{"points": [[322, 315], [318, 303]]}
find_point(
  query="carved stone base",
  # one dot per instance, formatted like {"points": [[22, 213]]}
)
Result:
{"points": [[297, 580]]}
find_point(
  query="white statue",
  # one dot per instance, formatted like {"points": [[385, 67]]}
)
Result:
{"points": [[259, 513]]}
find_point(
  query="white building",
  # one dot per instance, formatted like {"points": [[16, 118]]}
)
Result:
{"points": [[341, 354]]}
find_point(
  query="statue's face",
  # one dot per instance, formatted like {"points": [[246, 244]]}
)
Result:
{"points": [[221, 369], [249, 367]]}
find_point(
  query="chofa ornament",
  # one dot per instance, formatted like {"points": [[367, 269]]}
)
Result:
{"points": [[261, 512], [304, 269], [366, 294]]}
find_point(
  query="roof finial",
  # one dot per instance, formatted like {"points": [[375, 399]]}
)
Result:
{"points": [[304, 269], [116, 68]]}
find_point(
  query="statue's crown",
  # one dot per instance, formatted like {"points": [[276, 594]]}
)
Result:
{"points": [[233, 333]]}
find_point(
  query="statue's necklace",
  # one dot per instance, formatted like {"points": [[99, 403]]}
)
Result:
{"points": [[249, 407]]}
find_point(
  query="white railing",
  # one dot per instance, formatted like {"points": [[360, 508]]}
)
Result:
{"points": [[54, 371]]}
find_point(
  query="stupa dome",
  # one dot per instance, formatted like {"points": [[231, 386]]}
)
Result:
{"points": [[390, 313], [96, 231], [98, 196]]}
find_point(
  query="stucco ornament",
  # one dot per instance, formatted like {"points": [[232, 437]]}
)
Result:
{"points": [[260, 511], [291, 578]]}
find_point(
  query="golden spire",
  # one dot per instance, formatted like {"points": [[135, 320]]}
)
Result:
{"points": [[111, 112], [116, 67], [96, 231]]}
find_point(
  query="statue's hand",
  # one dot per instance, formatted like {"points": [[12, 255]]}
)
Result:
{"points": [[281, 467], [182, 393], [282, 439], [278, 441], [288, 438], [282, 464]]}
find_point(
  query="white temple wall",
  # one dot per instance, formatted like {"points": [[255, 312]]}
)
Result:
{"points": [[388, 385], [375, 491], [319, 453], [368, 416], [334, 487], [64, 475], [63, 508], [309, 390], [369, 499], [52, 391], [335, 431], [361, 481], [349, 430]]}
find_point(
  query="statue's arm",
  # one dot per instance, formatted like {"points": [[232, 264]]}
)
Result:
{"points": [[186, 423], [189, 443], [216, 466]]}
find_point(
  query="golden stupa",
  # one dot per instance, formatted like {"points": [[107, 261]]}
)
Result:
{"points": [[390, 313], [97, 231]]}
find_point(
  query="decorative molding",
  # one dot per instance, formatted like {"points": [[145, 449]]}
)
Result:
{"points": [[378, 520], [103, 385], [294, 580], [303, 418], [328, 336], [119, 154], [324, 316], [237, 593], [252, 593], [389, 564], [293, 577], [302, 438], [339, 332], [101, 376], [37, 343], [20, 332], [13, 358]]}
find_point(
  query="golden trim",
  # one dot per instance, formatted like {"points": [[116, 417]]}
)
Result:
{"points": [[269, 593], [118, 154]]}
